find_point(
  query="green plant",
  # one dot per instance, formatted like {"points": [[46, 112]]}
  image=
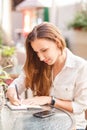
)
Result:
{"points": [[80, 21], [3, 77], [8, 51], [7, 56]]}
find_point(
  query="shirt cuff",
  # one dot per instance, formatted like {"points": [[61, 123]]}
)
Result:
{"points": [[77, 108]]}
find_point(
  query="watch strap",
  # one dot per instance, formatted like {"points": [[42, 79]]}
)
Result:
{"points": [[52, 100]]}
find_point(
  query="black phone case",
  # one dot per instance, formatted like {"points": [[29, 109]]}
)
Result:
{"points": [[44, 114]]}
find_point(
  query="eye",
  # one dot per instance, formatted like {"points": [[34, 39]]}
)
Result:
{"points": [[44, 50]]}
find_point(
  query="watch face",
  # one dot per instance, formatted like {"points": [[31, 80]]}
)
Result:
{"points": [[52, 101]]}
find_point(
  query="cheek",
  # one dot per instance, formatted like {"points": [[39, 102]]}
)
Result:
{"points": [[54, 52], [51, 54]]}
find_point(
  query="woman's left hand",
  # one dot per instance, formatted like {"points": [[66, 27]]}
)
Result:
{"points": [[38, 100]]}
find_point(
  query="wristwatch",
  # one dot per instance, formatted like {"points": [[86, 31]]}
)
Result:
{"points": [[53, 100]]}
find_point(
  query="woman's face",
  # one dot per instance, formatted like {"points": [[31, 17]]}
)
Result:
{"points": [[46, 50]]}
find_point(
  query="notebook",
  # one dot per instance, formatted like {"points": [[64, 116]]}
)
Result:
{"points": [[22, 107]]}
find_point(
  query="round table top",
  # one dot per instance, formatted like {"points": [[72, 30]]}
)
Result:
{"points": [[24, 120]]}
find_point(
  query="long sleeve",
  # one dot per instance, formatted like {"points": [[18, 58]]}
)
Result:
{"points": [[20, 82], [80, 93]]}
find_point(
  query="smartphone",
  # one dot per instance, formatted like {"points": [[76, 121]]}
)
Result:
{"points": [[43, 114]]}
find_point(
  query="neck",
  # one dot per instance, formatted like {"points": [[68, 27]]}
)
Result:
{"points": [[59, 64]]}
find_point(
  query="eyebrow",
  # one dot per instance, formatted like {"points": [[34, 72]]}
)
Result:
{"points": [[40, 50]]}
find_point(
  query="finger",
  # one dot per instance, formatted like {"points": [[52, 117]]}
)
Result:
{"points": [[16, 102]]}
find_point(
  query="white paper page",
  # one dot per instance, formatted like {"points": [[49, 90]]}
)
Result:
{"points": [[22, 107]]}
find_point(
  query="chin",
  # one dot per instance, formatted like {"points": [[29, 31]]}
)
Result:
{"points": [[50, 63]]}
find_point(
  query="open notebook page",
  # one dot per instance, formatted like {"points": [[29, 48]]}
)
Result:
{"points": [[22, 107]]}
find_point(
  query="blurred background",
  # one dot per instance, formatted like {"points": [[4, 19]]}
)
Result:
{"points": [[18, 17]]}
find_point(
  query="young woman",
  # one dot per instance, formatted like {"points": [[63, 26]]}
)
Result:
{"points": [[53, 73]]}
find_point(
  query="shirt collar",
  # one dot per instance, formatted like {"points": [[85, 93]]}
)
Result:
{"points": [[69, 59]]}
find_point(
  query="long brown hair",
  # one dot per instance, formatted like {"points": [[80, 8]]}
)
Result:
{"points": [[38, 73]]}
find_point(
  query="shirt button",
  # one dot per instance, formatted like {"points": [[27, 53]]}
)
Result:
{"points": [[66, 89]]}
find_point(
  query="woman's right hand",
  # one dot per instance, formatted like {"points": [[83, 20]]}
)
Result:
{"points": [[12, 96], [15, 101]]}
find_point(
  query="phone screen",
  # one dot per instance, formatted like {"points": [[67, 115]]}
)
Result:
{"points": [[43, 114]]}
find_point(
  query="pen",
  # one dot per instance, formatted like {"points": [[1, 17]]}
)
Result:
{"points": [[17, 91]]}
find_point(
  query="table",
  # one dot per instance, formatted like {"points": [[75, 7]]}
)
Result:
{"points": [[24, 120]]}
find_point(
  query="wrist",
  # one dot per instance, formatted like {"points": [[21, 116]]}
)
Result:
{"points": [[49, 100]]}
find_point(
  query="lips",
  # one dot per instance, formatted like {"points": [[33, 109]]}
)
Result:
{"points": [[47, 60]]}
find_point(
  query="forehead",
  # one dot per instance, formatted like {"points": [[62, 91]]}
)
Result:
{"points": [[41, 44]]}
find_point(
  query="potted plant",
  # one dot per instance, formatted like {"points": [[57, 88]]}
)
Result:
{"points": [[79, 33], [79, 22], [7, 54], [5, 79]]}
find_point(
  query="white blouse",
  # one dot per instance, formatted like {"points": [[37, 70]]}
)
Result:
{"points": [[69, 84]]}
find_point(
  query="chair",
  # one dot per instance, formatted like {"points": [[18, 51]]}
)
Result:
{"points": [[86, 114]]}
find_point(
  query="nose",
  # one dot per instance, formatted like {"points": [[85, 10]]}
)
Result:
{"points": [[41, 56]]}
